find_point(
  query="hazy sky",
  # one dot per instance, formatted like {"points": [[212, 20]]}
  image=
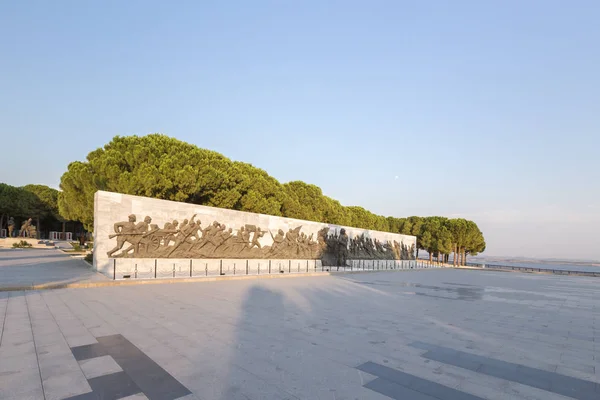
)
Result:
{"points": [[488, 110]]}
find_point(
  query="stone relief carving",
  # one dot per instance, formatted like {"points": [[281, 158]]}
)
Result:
{"points": [[190, 240]]}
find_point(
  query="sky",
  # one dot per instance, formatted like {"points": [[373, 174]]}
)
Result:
{"points": [[487, 110]]}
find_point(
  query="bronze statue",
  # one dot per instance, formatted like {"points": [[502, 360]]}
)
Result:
{"points": [[11, 226], [25, 229]]}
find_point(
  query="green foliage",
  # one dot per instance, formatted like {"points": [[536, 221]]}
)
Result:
{"points": [[162, 167], [89, 257], [9, 199], [36, 201], [22, 244], [41, 201]]}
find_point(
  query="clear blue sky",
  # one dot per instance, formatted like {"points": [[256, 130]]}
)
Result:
{"points": [[488, 110]]}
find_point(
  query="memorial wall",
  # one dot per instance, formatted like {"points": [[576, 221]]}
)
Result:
{"points": [[140, 237]]}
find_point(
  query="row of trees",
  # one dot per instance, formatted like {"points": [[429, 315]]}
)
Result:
{"points": [[440, 237], [166, 168], [39, 202]]}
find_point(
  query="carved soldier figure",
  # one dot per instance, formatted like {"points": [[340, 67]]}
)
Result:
{"points": [[216, 237], [222, 243], [322, 238], [245, 235], [183, 226], [389, 250], [378, 246], [123, 231], [303, 245], [207, 233], [257, 235], [171, 229], [342, 248], [11, 226], [277, 241], [140, 229], [404, 252], [186, 230]]}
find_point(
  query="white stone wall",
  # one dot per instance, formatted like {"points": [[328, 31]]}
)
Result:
{"points": [[114, 207]]}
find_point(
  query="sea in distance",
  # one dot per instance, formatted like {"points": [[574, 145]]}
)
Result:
{"points": [[557, 264]]}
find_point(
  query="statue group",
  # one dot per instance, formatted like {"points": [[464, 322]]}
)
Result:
{"points": [[27, 229], [189, 240]]}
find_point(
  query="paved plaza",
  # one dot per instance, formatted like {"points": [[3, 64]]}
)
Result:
{"points": [[417, 335], [27, 267]]}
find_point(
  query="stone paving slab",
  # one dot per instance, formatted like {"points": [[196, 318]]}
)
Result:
{"points": [[442, 334]]}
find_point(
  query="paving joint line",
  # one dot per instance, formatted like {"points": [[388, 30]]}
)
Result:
{"points": [[4, 319], [37, 359], [61, 332]]}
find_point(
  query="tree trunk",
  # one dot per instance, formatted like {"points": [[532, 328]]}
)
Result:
{"points": [[465, 258], [37, 233], [430, 257], [454, 255]]}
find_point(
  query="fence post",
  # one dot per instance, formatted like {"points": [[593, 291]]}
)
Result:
{"points": [[114, 269], [173, 270], [191, 267], [246, 267], [269, 266], [307, 266], [155, 262], [135, 272], [206, 268], [234, 268], [290, 266], [258, 268]]}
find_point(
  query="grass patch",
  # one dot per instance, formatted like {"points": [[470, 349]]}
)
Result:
{"points": [[23, 244]]}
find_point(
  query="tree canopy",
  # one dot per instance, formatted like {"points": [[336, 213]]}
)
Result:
{"points": [[35, 201], [166, 168]]}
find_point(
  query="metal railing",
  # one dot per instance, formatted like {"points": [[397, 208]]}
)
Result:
{"points": [[123, 268], [533, 269]]}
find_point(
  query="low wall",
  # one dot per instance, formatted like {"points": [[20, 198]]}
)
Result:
{"points": [[146, 235], [132, 268]]}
